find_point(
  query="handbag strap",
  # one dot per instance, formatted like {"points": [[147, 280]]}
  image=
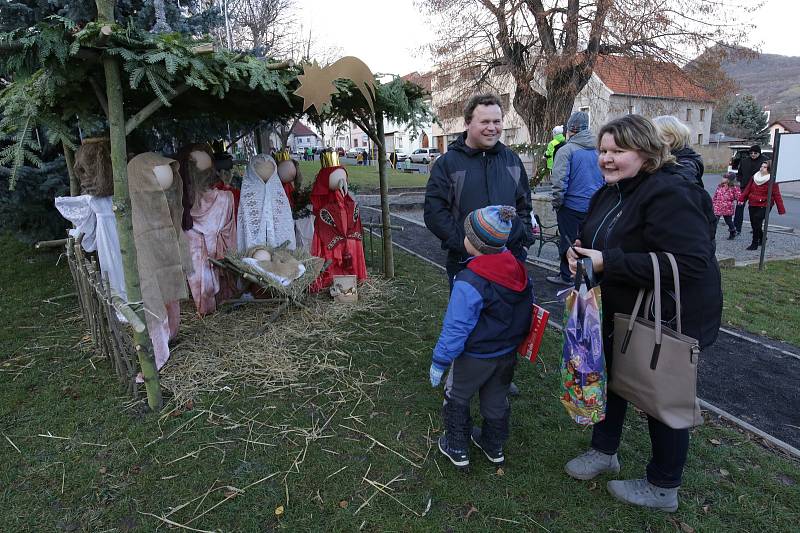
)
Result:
{"points": [[676, 282], [584, 272]]}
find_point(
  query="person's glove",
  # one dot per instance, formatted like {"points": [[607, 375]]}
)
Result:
{"points": [[436, 375]]}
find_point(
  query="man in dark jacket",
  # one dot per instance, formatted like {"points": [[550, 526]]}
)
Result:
{"points": [[576, 177], [477, 171], [747, 167]]}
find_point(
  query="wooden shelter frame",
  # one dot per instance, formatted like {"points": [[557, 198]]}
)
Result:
{"points": [[112, 101]]}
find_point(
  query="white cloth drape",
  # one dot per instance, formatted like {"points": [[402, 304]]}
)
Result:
{"points": [[265, 216], [94, 217]]}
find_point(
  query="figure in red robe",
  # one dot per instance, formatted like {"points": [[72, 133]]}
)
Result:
{"points": [[337, 227]]}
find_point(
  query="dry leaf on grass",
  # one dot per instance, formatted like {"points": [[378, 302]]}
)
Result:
{"points": [[279, 510], [343, 504]]}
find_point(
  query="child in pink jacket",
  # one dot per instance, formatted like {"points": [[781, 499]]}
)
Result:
{"points": [[725, 198]]}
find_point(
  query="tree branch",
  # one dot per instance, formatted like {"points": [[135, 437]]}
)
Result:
{"points": [[136, 120], [100, 94]]}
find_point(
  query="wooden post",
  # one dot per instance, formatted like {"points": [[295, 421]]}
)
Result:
{"points": [[386, 234], [122, 210], [69, 159]]}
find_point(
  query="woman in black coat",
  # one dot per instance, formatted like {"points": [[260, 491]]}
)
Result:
{"points": [[676, 134], [646, 207]]}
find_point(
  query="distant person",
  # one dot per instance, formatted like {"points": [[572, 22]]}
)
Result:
{"points": [[756, 194], [677, 136], [553, 146], [488, 316], [724, 200], [477, 171], [360, 158], [575, 178], [748, 166], [393, 160]]}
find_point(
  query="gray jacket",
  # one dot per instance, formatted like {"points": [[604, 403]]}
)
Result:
{"points": [[576, 176]]}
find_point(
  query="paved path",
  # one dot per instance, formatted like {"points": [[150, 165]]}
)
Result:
{"points": [[754, 380]]}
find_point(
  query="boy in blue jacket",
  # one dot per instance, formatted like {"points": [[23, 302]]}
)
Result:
{"points": [[488, 316]]}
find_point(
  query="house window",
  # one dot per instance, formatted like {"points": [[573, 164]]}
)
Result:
{"points": [[585, 109], [688, 114], [699, 138], [702, 115]]}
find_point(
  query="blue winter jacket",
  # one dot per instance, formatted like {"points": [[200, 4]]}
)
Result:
{"points": [[490, 310], [576, 175]]}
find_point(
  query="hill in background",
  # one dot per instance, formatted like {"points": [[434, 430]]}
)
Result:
{"points": [[773, 79]]}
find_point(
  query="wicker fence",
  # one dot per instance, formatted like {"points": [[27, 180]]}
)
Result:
{"points": [[100, 307]]}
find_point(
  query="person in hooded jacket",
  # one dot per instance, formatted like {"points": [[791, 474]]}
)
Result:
{"points": [[575, 178], [676, 134], [477, 171], [646, 206], [488, 316]]}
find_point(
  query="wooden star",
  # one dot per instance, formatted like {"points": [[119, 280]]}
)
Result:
{"points": [[315, 87]]}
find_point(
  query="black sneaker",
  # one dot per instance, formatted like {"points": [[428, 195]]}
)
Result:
{"points": [[459, 458], [752, 247], [495, 456]]}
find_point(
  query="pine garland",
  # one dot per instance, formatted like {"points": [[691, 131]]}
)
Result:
{"points": [[53, 60]]}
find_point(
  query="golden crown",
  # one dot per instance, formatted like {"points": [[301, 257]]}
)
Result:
{"points": [[329, 158], [283, 155]]}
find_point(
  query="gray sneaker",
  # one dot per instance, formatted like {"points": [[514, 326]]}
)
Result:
{"points": [[591, 464], [644, 494]]}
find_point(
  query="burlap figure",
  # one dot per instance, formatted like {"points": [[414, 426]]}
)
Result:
{"points": [[93, 167], [162, 252]]}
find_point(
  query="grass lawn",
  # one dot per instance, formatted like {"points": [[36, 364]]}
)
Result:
{"points": [[76, 455], [767, 303], [365, 179]]}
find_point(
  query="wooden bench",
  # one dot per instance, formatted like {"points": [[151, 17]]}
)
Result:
{"points": [[545, 235]]}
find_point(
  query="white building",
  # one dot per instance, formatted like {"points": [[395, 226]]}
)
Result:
{"points": [[302, 137], [618, 86]]}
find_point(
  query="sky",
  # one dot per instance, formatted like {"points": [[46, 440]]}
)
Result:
{"points": [[389, 35]]}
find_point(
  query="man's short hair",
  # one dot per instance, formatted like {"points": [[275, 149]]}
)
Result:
{"points": [[480, 99]]}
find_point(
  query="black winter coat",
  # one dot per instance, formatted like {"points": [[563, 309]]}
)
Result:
{"points": [[465, 179], [689, 165], [748, 167], [660, 212]]}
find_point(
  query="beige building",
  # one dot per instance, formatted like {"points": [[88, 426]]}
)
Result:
{"points": [[618, 86]]}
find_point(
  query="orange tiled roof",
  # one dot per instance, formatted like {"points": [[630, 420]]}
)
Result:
{"points": [[423, 80], [301, 130], [643, 77]]}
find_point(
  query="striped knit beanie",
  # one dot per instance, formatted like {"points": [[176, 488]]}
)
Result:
{"points": [[488, 229]]}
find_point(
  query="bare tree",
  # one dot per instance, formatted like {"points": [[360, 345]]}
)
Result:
{"points": [[546, 50], [263, 25]]}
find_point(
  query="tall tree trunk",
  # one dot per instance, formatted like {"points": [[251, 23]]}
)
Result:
{"points": [[122, 210], [388, 251], [69, 159]]}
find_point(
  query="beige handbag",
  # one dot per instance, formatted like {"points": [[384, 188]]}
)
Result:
{"points": [[654, 367]]}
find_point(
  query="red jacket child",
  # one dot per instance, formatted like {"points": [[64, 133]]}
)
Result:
{"points": [[725, 197], [757, 195]]}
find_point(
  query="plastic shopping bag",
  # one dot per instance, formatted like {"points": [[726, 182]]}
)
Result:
{"points": [[583, 367]]}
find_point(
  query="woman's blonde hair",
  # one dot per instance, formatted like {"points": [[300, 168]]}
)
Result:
{"points": [[635, 132], [675, 133]]}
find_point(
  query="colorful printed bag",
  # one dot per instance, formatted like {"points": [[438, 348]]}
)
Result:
{"points": [[583, 366]]}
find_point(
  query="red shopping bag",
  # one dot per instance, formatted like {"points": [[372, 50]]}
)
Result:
{"points": [[529, 349]]}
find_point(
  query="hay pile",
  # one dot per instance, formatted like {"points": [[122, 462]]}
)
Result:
{"points": [[239, 349]]}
